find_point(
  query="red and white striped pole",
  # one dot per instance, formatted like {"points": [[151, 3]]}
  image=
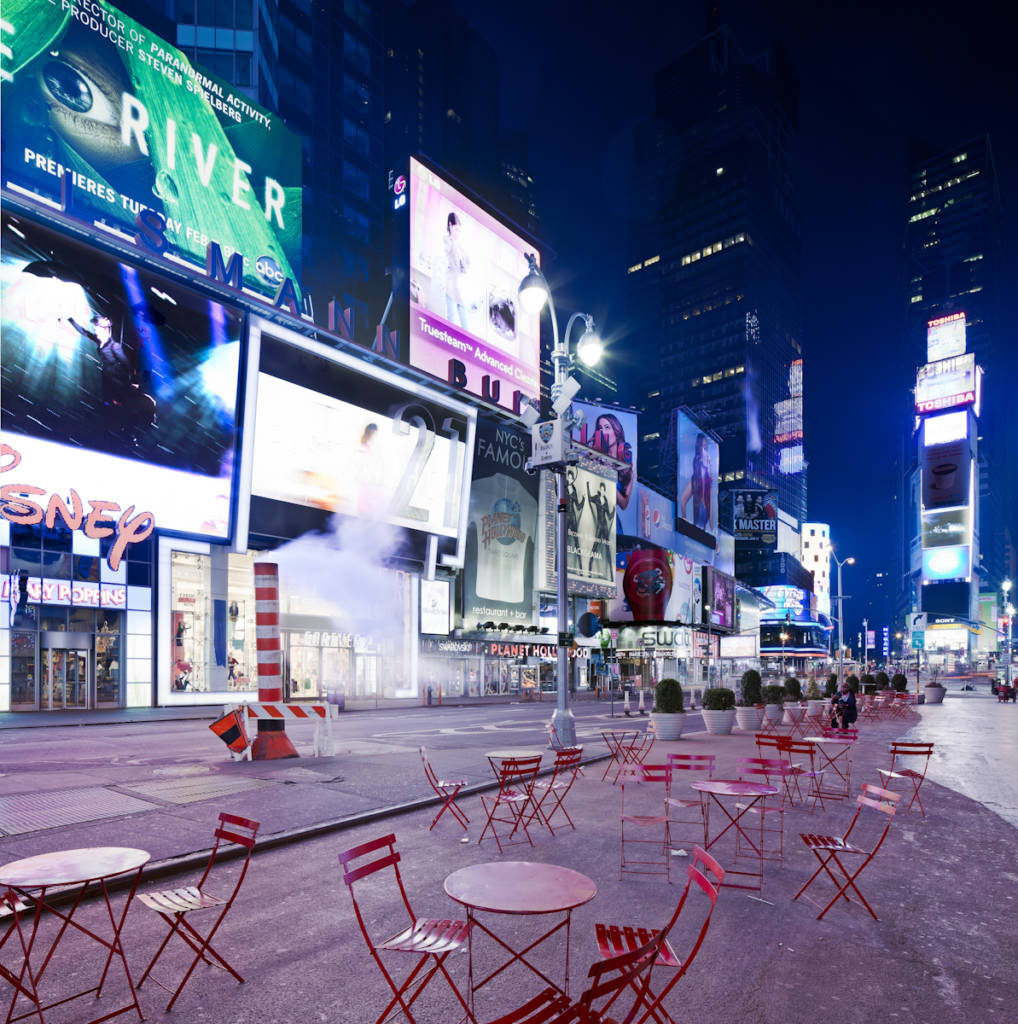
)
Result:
{"points": [[272, 741]]}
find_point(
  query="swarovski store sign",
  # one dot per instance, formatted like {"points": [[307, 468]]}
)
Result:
{"points": [[671, 640]]}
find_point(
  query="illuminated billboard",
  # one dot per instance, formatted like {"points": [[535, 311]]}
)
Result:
{"points": [[945, 337], [650, 516], [947, 384], [334, 434], [656, 586], [945, 465], [498, 575], [947, 527], [435, 607], [115, 379], [755, 517], [467, 327], [947, 563], [91, 94], [697, 498], [612, 432], [719, 595], [791, 604]]}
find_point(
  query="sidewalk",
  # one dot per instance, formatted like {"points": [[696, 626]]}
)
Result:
{"points": [[934, 957]]}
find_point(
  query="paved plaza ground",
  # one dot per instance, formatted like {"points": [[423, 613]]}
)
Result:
{"points": [[943, 886]]}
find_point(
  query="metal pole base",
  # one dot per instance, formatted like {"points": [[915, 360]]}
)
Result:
{"points": [[565, 726]]}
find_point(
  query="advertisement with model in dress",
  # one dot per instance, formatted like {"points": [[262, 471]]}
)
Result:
{"points": [[101, 111], [498, 574], [467, 327], [612, 432], [116, 382], [697, 497]]}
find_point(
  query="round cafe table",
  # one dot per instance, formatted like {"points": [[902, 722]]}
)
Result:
{"points": [[746, 796], [834, 754], [34, 877], [519, 888], [496, 757]]}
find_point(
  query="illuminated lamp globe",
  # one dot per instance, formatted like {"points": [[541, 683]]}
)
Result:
{"points": [[850, 560], [590, 348], [533, 290]]}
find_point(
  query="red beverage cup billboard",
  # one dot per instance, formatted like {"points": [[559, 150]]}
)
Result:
{"points": [[647, 584]]}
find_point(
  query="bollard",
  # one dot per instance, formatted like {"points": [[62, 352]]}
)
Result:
{"points": [[640, 708], [271, 742], [626, 707]]}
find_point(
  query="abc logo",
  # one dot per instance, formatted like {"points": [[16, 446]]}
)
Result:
{"points": [[268, 270]]}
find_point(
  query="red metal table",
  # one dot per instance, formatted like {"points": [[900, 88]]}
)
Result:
{"points": [[626, 746], [748, 795], [518, 888], [35, 878], [839, 762]]}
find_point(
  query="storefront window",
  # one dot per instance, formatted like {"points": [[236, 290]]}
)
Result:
{"points": [[189, 621], [108, 659], [23, 668]]}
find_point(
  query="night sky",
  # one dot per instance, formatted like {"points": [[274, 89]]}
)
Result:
{"points": [[871, 74]]}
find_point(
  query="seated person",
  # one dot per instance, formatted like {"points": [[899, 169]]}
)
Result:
{"points": [[845, 710]]}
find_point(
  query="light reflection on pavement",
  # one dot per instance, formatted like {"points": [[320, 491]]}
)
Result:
{"points": [[976, 750]]}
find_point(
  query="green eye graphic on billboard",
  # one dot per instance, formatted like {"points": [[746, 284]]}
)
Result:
{"points": [[98, 109]]}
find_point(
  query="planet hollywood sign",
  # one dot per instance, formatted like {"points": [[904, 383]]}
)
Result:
{"points": [[496, 649]]}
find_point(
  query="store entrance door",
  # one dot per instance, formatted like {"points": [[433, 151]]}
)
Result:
{"points": [[65, 679]]}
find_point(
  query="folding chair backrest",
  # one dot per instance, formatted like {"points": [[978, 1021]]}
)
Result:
{"points": [[700, 763], [231, 828], [368, 859], [428, 770], [768, 767], [514, 773], [901, 750], [766, 741], [610, 978], [879, 800], [796, 748], [567, 760], [841, 734]]}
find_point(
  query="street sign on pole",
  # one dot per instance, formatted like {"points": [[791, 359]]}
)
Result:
{"points": [[918, 641], [917, 622]]}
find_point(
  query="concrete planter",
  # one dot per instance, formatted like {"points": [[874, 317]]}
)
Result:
{"points": [[794, 713], [749, 719], [774, 712], [934, 694], [719, 723], [816, 708], [668, 727]]}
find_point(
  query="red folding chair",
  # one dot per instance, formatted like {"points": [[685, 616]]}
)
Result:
{"points": [[813, 776], [645, 787], [430, 939], [851, 733], [915, 753], [556, 744], [769, 725], [609, 979], [831, 851], [513, 803], [174, 905], [22, 982], [446, 790], [554, 790], [767, 744], [699, 766], [614, 940], [775, 772]]}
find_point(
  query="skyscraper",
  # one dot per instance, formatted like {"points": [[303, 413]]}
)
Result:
{"points": [[713, 267], [953, 244]]}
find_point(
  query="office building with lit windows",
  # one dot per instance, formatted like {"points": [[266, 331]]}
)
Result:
{"points": [[713, 268], [953, 247]]}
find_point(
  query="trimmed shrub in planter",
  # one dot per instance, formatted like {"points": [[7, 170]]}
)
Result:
{"points": [[774, 702], [718, 698], [934, 692], [751, 688], [719, 710], [793, 688], [812, 691], [865, 684], [853, 683], [899, 683], [831, 686], [667, 714], [882, 681]]}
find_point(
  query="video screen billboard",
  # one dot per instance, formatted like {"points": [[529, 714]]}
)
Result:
{"points": [[945, 337], [92, 93], [466, 323], [656, 586], [498, 574], [435, 607], [947, 384], [946, 527], [787, 601], [396, 463], [649, 515], [719, 595], [755, 517], [947, 563], [613, 432], [946, 462], [118, 380], [697, 499]]}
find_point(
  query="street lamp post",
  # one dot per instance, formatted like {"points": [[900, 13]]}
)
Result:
{"points": [[706, 609], [841, 618], [784, 637], [534, 294], [1009, 612]]}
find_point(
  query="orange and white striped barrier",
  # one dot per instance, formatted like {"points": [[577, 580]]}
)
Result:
{"points": [[323, 715], [272, 741]]}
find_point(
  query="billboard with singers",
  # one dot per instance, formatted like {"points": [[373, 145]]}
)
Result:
{"points": [[498, 574], [91, 94], [697, 497], [755, 517], [117, 380], [612, 432], [467, 327]]}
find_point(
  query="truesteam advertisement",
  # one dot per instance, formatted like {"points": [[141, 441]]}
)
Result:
{"points": [[91, 94], [697, 499], [467, 327], [498, 578], [117, 380]]}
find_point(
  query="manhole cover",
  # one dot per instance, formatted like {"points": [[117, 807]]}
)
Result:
{"points": [[297, 775], [189, 791], [30, 812]]}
